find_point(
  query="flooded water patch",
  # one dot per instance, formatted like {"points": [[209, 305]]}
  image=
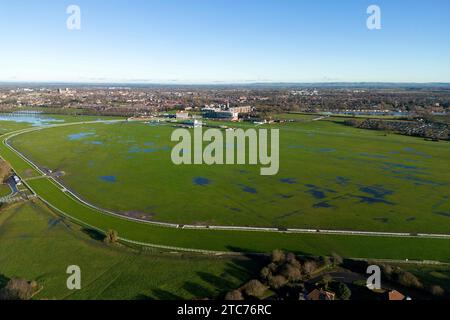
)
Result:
{"points": [[323, 204], [443, 214], [200, 181], [369, 200], [289, 180], [318, 192], [110, 179], [376, 191], [382, 220], [248, 189], [137, 149], [79, 136], [34, 118], [343, 181]]}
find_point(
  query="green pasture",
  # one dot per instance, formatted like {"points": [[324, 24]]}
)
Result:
{"points": [[36, 244], [331, 177]]}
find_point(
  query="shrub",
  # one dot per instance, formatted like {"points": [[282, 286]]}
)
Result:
{"points": [[272, 267], [278, 256], [18, 289], [265, 273], [344, 291], [407, 279], [309, 267], [234, 295], [276, 282], [5, 171], [326, 280], [291, 272], [437, 291], [111, 237], [254, 288], [337, 259]]}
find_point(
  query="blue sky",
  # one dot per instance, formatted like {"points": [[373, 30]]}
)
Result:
{"points": [[204, 41]]}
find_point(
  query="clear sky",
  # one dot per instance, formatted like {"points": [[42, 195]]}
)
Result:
{"points": [[204, 41]]}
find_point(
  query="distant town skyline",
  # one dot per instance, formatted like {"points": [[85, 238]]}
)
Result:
{"points": [[219, 42]]}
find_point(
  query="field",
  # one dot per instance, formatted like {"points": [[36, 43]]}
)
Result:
{"points": [[331, 177], [36, 244], [97, 157]]}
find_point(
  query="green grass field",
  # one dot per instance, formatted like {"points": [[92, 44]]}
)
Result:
{"points": [[4, 190], [308, 244], [331, 177], [35, 244]]}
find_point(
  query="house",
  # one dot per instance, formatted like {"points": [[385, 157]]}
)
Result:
{"points": [[394, 295], [220, 114], [320, 294], [182, 115]]}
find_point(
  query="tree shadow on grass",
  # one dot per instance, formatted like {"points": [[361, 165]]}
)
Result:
{"points": [[3, 281], [197, 290], [159, 294], [247, 252], [94, 234]]}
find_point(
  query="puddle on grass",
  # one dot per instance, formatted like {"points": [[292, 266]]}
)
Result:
{"points": [[417, 153], [376, 191], [136, 149], [36, 119], [96, 143], [111, 179], [289, 180], [79, 136], [200, 181], [383, 220], [343, 181], [369, 200], [317, 192], [323, 204], [248, 189], [312, 149], [444, 214]]}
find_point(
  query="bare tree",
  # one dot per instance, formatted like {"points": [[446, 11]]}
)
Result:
{"points": [[278, 256], [437, 291], [18, 289], [111, 237], [234, 295], [254, 288], [276, 282]]}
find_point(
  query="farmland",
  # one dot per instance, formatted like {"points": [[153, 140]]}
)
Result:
{"points": [[37, 244], [202, 239], [331, 177]]}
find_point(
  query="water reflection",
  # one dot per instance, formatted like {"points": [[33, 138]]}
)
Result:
{"points": [[33, 117]]}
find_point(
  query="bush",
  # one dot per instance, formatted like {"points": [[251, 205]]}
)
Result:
{"points": [[265, 273], [254, 288], [277, 282], [278, 256], [344, 291], [337, 259], [234, 295], [18, 289], [326, 280], [407, 279], [111, 237], [309, 267], [437, 291], [291, 272], [5, 171], [272, 267]]}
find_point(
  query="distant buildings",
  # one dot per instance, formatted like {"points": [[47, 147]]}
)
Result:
{"points": [[225, 112], [182, 115], [320, 294]]}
